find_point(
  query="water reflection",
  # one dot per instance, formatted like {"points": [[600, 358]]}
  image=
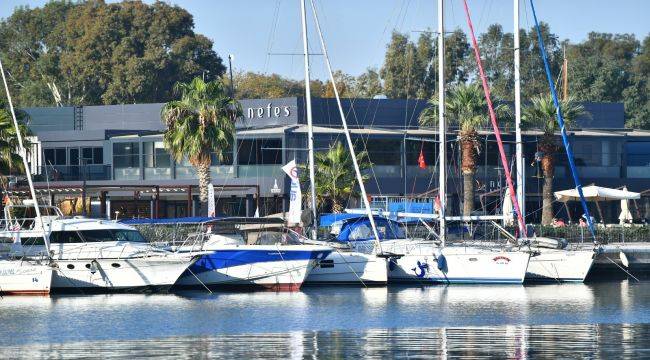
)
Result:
{"points": [[516, 321], [509, 341]]}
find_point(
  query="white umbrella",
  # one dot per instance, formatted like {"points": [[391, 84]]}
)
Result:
{"points": [[507, 209], [626, 214], [596, 193]]}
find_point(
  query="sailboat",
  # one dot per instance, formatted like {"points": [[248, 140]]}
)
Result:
{"points": [[550, 260], [343, 265], [22, 275], [419, 261]]}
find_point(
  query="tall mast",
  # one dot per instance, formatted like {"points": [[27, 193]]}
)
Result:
{"points": [[346, 131], [23, 156], [442, 124], [310, 130], [519, 153]]}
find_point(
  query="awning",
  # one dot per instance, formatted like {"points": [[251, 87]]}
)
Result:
{"points": [[596, 193]]}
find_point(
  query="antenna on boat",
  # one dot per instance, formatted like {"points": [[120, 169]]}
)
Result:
{"points": [[310, 130], [442, 124], [346, 131], [519, 153], [23, 156]]}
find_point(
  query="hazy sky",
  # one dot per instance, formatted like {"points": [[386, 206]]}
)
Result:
{"points": [[357, 31]]}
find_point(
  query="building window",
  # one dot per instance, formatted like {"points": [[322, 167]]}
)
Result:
{"points": [[54, 156], [92, 155], [155, 155], [638, 153], [259, 152], [126, 155], [382, 151]]}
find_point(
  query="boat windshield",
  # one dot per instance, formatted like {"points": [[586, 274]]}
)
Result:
{"points": [[112, 235]]}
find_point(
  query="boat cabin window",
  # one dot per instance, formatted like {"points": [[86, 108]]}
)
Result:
{"points": [[112, 235], [29, 241], [64, 237]]}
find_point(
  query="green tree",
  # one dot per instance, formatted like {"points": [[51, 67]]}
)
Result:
{"points": [[335, 179], [600, 67], [466, 107], [252, 85], [540, 114], [368, 84], [199, 125], [345, 84], [637, 95], [90, 52], [400, 71]]}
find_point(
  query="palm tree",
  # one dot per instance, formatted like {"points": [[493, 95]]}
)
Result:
{"points": [[10, 160], [201, 123], [335, 179], [540, 114], [467, 108]]}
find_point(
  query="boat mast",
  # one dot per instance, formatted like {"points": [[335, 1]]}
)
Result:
{"points": [[23, 156], [310, 130], [346, 131], [519, 153], [442, 124]]}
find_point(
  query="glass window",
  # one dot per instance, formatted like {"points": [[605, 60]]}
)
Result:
{"points": [[259, 152], [126, 155], [48, 156], [97, 235], [65, 237], [382, 151], [155, 155], [98, 155], [429, 151], [638, 153], [28, 241], [112, 235], [74, 156]]}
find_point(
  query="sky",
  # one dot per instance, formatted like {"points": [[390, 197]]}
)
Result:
{"points": [[265, 35]]}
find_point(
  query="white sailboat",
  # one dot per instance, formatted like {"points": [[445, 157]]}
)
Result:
{"points": [[343, 265], [548, 262], [417, 261], [23, 275]]}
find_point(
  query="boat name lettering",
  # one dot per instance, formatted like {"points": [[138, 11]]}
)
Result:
{"points": [[501, 259]]}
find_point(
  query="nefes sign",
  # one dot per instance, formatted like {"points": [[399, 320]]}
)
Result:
{"points": [[268, 111]]}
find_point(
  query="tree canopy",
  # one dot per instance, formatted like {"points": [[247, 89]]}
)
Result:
{"points": [[90, 52]]}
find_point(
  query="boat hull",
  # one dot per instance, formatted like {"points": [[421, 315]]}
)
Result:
{"points": [[457, 265], [23, 278], [283, 268], [560, 265], [155, 273], [352, 268]]}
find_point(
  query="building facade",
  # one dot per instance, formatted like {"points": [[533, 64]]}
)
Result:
{"points": [[114, 156]]}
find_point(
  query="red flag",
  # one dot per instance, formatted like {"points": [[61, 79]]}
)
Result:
{"points": [[421, 163]]}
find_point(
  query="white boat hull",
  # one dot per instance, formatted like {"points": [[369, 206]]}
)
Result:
{"points": [[23, 278], [349, 268], [560, 265], [426, 263], [279, 268], [130, 274]]}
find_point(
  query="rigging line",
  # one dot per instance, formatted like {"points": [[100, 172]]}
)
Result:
{"points": [[560, 121], [497, 133]]}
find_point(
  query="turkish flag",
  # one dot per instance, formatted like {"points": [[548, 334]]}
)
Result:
{"points": [[421, 163]]}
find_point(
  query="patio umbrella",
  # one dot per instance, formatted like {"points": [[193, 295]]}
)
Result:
{"points": [[626, 214]]}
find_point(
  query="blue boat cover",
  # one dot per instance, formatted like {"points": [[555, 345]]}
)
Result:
{"points": [[359, 229]]}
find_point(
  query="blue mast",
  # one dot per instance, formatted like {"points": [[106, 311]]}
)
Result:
{"points": [[560, 121]]}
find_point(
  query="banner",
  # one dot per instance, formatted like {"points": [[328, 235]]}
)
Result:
{"points": [[211, 207], [295, 198]]}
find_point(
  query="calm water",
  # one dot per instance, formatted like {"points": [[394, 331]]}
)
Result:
{"points": [[600, 320]]}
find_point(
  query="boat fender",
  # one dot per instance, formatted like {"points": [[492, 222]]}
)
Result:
{"points": [[94, 266], [442, 262]]}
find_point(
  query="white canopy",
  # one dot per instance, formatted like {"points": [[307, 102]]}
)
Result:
{"points": [[596, 193]]}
